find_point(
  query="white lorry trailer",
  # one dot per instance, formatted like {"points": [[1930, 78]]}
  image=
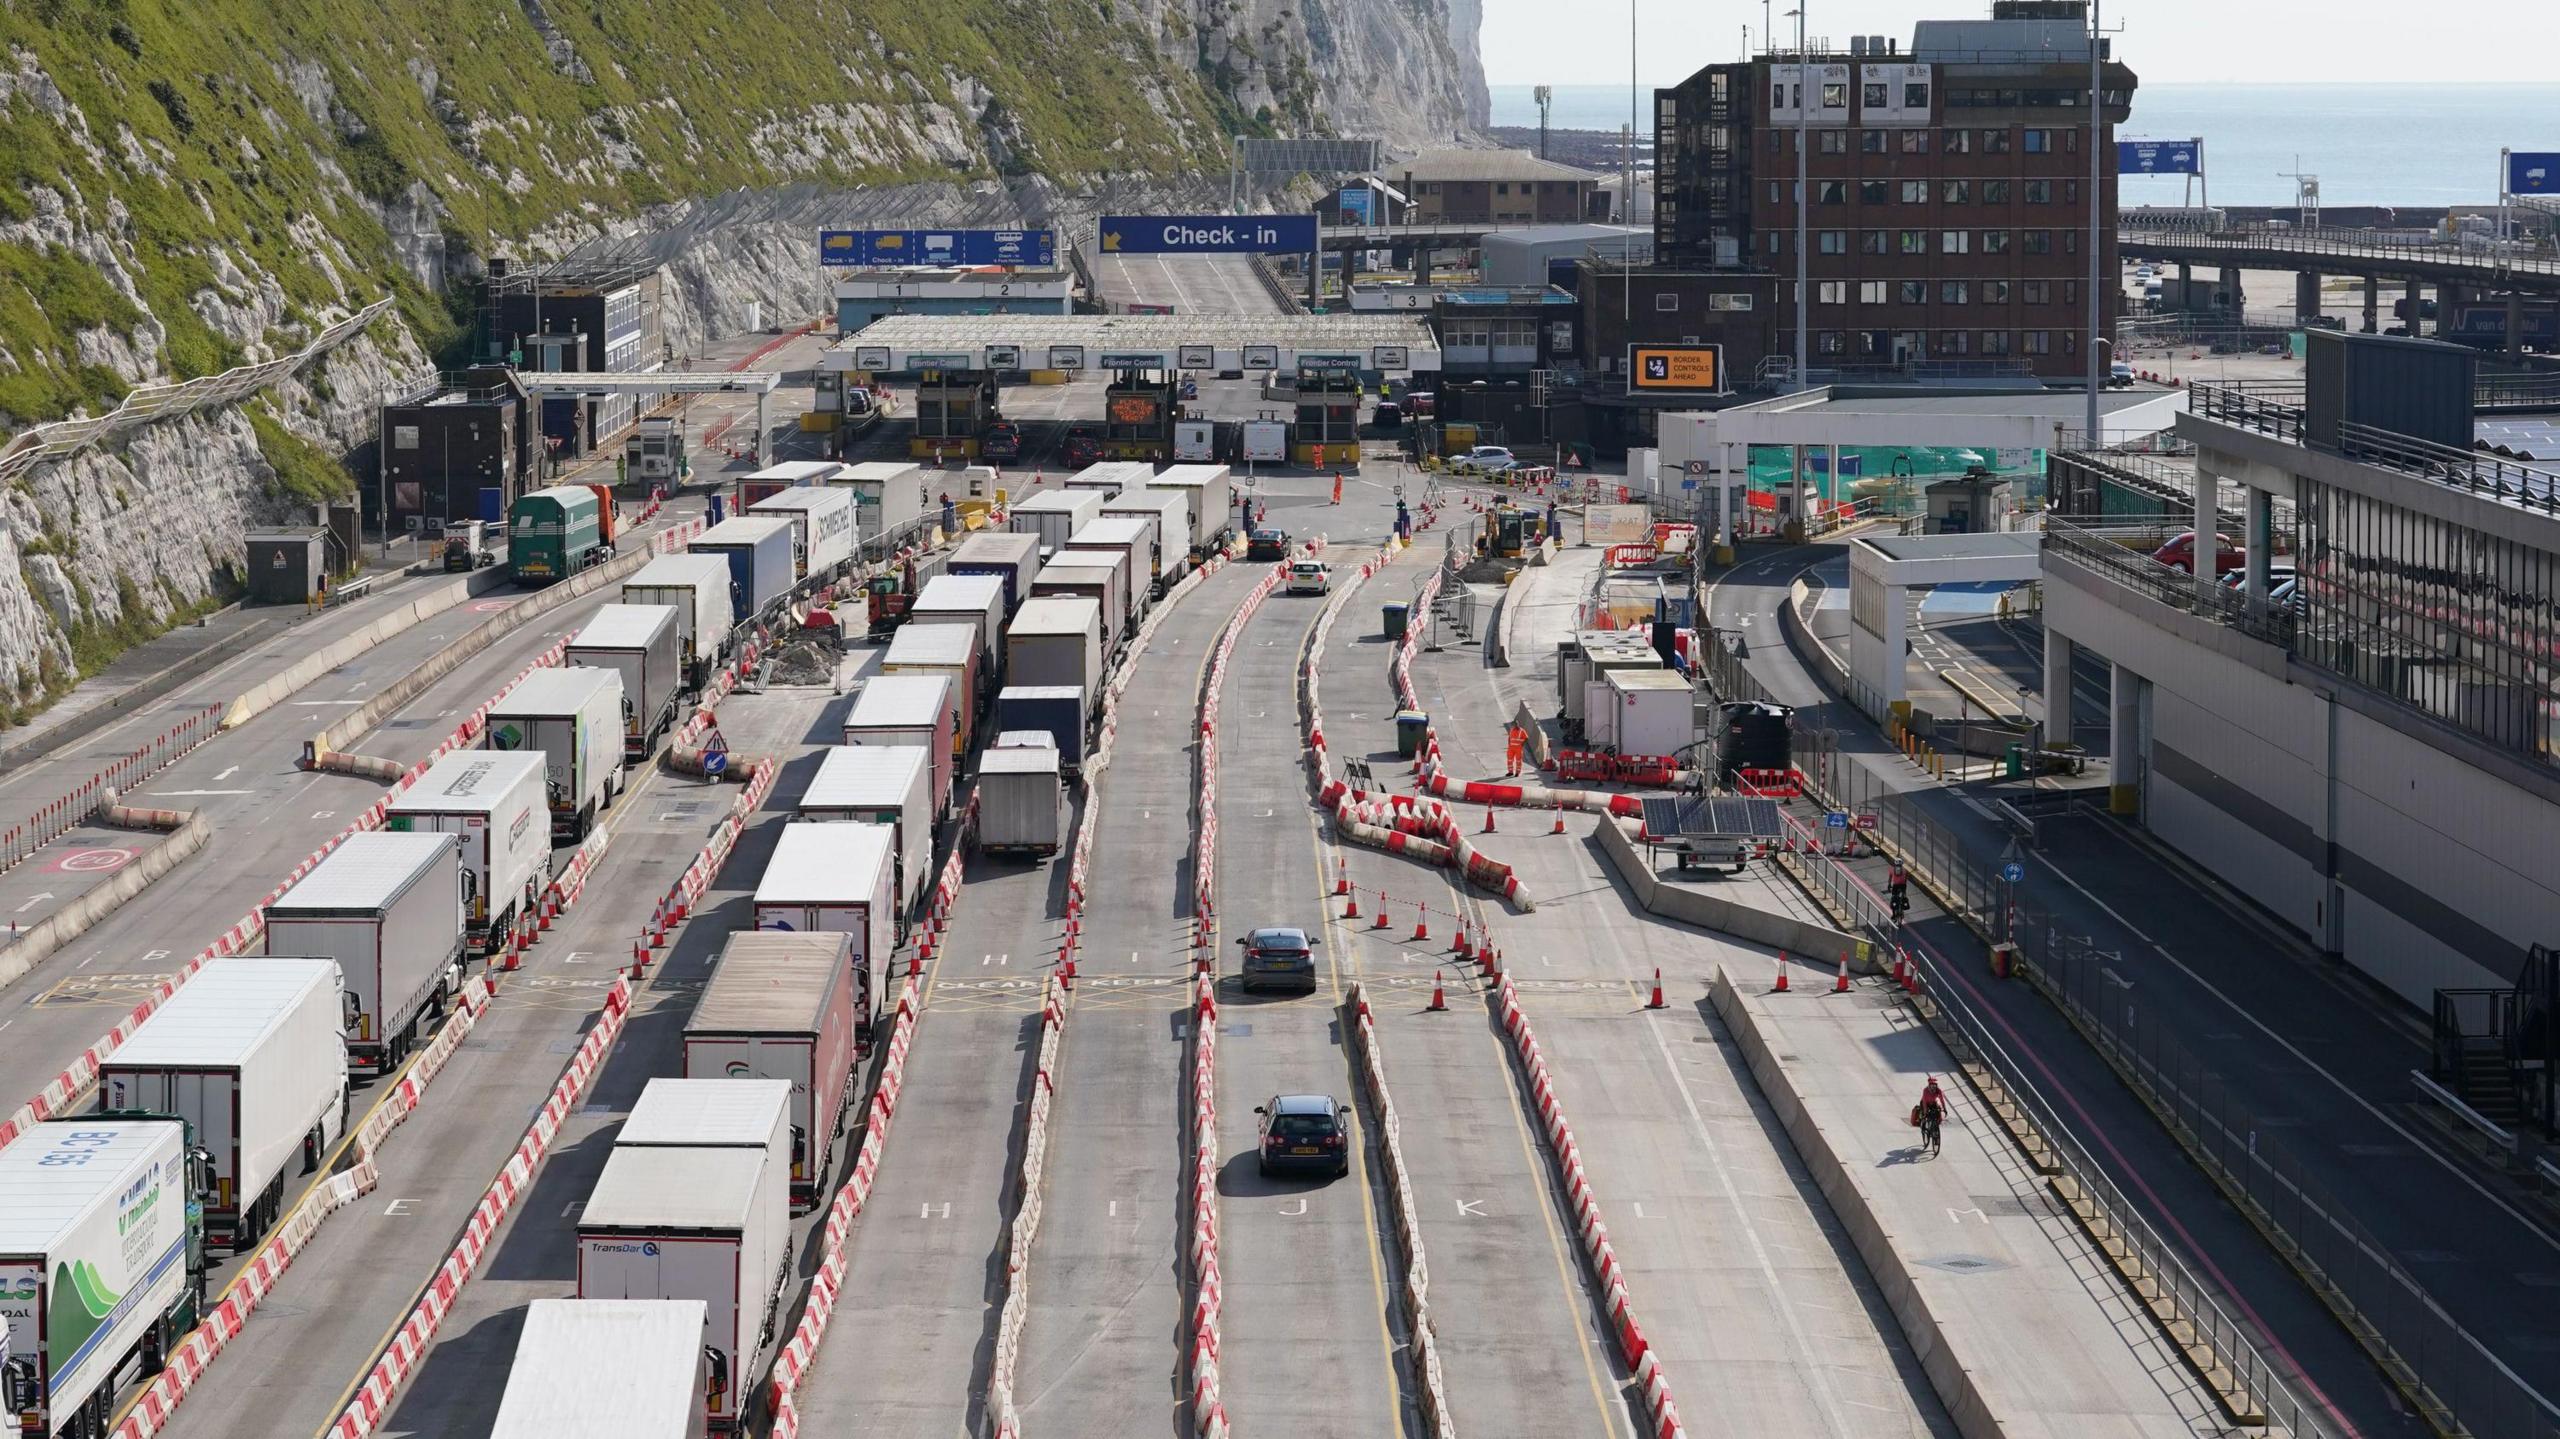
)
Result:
{"points": [[1053, 515], [717, 1112], [976, 600], [608, 1369], [1020, 810], [953, 650], [1171, 510], [822, 522], [388, 908], [781, 1006], [1137, 536], [495, 802], [706, 1224], [1058, 641], [250, 1053], [641, 644], [1010, 557], [1212, 502], [573, 719], [888, 495], [697, 588], [1112, 476], [834, 879], [102, 1262], [918, 709], [1098, 575], [881, 784]]}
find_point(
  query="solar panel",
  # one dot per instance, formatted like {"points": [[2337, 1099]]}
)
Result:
{"points": [[1694, 816]]}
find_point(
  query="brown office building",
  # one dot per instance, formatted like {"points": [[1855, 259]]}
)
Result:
{"points": [[1492, 187], [1950, 189]]}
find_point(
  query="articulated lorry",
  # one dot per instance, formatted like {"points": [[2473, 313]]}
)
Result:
{"points": [[1058, 641], [881, 784], [250, 1053], [1209, 489], [388, 908], [1140, 537], [1097, 575], [556, 533], [641, 643], [573, 719], [822, 537], [696, 587], [102, 1263], [917, 709], [1171, 510], [761, 570], [835, 878], [781, 1006], [495, 802], [949, 650], [1019, 805], [1010, 557], [716, 1112], [609, 1369], [1053, 515]]}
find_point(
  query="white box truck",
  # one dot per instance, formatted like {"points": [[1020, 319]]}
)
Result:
{"points": [[697, 588], [1652, 711], [888, 495], [1011, 557], [952, 650], [1112, 476], [495, 802], [834, 879], [915, 709], [783, 1006], [250, 1053], [1195, 440], [1212, 503], [1137, 536], [640, 643], [1053, 515], [1098, 575], [711, 1112], [101, 1262], [978, 601], [573, 719], [1058, 641], [822, 527], [706, 1224], [1266, 442], [758, 551], [1020, 806], [607, 1369], [881, 784], [388, 908], [1171, 510]]}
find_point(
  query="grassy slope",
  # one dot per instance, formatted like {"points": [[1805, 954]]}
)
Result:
{"points": [[684, 82]]}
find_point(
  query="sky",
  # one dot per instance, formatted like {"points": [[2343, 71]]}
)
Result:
{"points": [[2166, 41]]}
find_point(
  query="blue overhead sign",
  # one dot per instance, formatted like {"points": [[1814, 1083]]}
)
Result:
{"points": [[2159, 157], [2533, 173], [937, 247], [1208, 234]]}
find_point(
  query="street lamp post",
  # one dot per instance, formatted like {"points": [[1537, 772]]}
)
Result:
{"points": [[1804, 212], [2097, 211]]}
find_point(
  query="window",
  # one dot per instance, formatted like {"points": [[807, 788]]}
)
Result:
{"points": [[1773, 192], [2038, 292], [1831, 192], [1831, 292], [1873, 96], [1872, 292], [1954, 292], [1834, 142], [1666, 304], [2071, 192], [1995, 142], [1955, 192], [1502, 187], [1914, 242], [1956, 142], [2071, 342], [2039, 142], [1995, 242], [2039, 192], [1955, 242], [2071, 242], [1835, 96], [1777, 138], [1912, 292], [1831, 242], [1769, 242], [1954, 342], [1915, 94], [1834, 343], [1995, 292], [2036, 342], [1871, 142], [1874, 192], [2071, 138], [2071, 292], [1915, 142], [1875, 242], [1915, 192], [2036, 242], [1995, 192], [1995, 342]]}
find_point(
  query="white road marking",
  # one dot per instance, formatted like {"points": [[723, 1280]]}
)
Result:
{"points": [[226, 774], [927, 1211], [1467, 1208], [198, 793], [399, 1207]]}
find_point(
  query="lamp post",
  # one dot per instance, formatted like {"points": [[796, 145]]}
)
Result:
{"points": [[1804, 214], [2097, 212]]}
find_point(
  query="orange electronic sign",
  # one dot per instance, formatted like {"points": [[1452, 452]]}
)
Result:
{"points": [[1693, 368]]}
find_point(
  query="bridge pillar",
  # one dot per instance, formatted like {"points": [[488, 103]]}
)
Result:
{"points": [[2306, 296], [2124, 741], [2229, 284], [2515, 324], [2449, 298], [2372, 304], [2409, 309], [2058, 719]]}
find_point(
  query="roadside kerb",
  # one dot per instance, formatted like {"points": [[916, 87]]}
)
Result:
{"points": [[1026, 1215], [1416, 1277]]}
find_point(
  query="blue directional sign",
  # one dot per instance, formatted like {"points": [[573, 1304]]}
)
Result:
{"points": [[2533, 173], [938, 247], [2159, 157], [1208, 234], [1835, 820], [2013, 871]]}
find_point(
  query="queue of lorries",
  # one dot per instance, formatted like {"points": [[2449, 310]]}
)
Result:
{"points": [[240, 1081]]}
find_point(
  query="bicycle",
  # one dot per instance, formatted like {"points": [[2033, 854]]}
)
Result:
{"points": [[1931, 1122]]}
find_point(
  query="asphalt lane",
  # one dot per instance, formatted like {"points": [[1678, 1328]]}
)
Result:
{"points": [[1102, 1349], [1191, 284]]}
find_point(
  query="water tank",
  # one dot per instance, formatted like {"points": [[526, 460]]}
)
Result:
{"points": [[1857, 44], [1756, 736]]}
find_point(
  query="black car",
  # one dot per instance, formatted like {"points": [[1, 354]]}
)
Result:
{"points": [[1278, 955], [1304, 1131], [1267, 544]]}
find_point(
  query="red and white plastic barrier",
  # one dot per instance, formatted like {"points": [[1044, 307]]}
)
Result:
{"points": [[62, 815], [1416, 1280], [1026, 1218], [1208, 1284], [1204, 901]]}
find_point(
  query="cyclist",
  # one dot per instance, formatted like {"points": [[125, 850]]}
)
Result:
{"points": [[1932, 1112]]}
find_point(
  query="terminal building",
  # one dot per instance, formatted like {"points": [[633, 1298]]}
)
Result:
{"points": [[579, 318], [2358, 735]]}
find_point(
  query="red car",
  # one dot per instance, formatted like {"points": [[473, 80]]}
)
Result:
{"points": [[1084, 447], [2179, 553]]}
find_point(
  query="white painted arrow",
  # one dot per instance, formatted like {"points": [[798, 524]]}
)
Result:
{"points": [[226, 774], [39, 899]]}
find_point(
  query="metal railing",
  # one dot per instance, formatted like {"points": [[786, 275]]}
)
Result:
{"points": [[2341, 245], [2122, 554], [59, 817], [2481, 472], [147, 403]]}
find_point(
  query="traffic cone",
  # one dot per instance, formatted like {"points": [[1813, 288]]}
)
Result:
{"points": [[1439, 1001], [1465, 947], [1488, 819], [1657, 1002], [1352, 909], [1382, 911], [1840, 984], [1067, 968], [1341, 875], [1421, 923], [639, 955], [1559, 829], [915, 961], [1781, 986]]}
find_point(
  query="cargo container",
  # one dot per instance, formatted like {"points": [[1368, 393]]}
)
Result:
{"points": [[608, 1369], [249, 1053], [943, 649], [1014, 557], [834, 878], [572, 718], [881, 784], [784, 1007], [1212, 501], [1112, 476], [911, 709], [1058, 641], [1171, 510], [1098, 575], [1020, 805], [888, 495], [977, 601], [707, 1224], [783, 475], [553, 534], [638, 643], [1581, 661], [1650, 711], [101, 1262], [822, 528], [696, 587], [1053, 515], [496, 803], [389, 909], [761, 571], [1055, 710]]}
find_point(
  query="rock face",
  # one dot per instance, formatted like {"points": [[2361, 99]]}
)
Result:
{"points": [[1403, 71]]}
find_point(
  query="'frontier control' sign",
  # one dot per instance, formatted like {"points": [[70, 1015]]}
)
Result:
{"points": [[1208, 234]]}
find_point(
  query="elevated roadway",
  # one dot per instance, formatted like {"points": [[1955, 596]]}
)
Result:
{"points": [[2343, 253], [1189, 284]]}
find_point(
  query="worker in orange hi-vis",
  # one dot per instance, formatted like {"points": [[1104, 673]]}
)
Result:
{"points": [[1337, 487], [1518, 742]]}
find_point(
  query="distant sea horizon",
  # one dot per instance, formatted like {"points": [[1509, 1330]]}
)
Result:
{"points": [[2394, 144]]}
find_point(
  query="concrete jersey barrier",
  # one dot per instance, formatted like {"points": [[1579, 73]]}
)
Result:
{"points": [[1725, 916]]}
